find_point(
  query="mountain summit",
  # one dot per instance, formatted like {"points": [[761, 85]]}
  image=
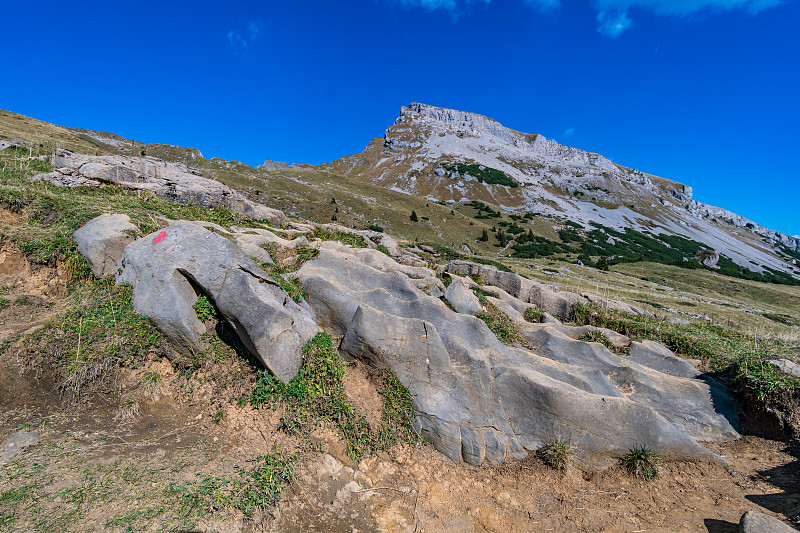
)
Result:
{"points": [[453, 156]]}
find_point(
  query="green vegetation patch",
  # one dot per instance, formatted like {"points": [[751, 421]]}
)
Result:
{"points": [[484, 174], [99, 333], [351, 239], [257, 488], [643, 463], [317, 395]]}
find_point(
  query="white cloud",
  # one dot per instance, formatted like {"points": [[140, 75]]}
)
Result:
{"points": [[569, 132], [432, 5], [686, 7], [240, 41], [613, 18], [613, 23], [543, 5]]}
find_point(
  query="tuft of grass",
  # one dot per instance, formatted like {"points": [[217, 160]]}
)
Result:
{"points": [[597, 336], [500, 324], [557, 454], [642, 463], [76, 267], [351, 239], [129, 409], [533, 314], [151, 382], [204, 308]]}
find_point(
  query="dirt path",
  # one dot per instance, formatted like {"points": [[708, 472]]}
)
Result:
{"points": [[93, 470]]}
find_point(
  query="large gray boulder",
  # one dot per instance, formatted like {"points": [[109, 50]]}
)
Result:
{"points": [[102, 240], [478, 399], [756, 522], [461, 298], [169, 268], [172, 182]]}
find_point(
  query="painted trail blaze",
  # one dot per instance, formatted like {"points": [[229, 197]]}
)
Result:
{"points": [[161, 236]]}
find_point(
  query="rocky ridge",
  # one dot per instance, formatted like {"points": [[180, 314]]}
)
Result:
{"points": [[477, 399], [421, 151]]}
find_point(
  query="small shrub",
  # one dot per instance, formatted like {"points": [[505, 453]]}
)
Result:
{"points": [[375, 227], [384, 250], [557, 454], [4, 303], [533, 314], [204, 308], [413, 216], [642, 463]]}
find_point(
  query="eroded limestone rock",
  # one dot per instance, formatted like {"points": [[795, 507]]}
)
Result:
{"points": [[478, 399], [169, 267]]}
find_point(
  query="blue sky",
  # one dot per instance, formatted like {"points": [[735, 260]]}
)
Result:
{"points": [[699, 91]]}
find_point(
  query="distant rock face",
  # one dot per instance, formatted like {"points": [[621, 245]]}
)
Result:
{"points": [[480, 400], [172, 182], [709, 258], [168, 268], [271, 165], [102, 240]]}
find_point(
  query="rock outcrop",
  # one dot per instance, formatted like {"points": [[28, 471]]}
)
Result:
{"points": [[172, 182], [757, 522], [170, 268], [478, 399], [102, 240], [461, 298]]}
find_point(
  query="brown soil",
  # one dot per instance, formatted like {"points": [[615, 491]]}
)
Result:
{"points": [[106, 465], [175, 435]]}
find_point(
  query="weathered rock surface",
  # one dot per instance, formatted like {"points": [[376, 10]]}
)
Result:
{"points": [[102, 240], [15, 443], [556, 303], [252, 241], [478, 399], [168, 268], [756, 522], [462, 299], [172, 182]]}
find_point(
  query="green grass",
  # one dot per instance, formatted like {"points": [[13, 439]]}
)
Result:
{"points": [[204, 308], [500, 324], [351, 239], [533, 314], [99, 333], [557, 454], [642, 463], [317, 396], [596, 336], [257, 488], [740, 356]]}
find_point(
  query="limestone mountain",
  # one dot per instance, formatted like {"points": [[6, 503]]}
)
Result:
{"points": [[451, 156]]}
